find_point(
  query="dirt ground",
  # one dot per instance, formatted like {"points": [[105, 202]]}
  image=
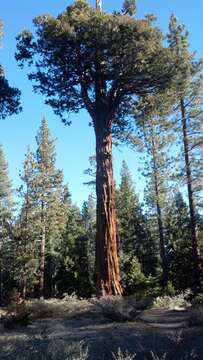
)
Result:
{"points": [[59, 335]]}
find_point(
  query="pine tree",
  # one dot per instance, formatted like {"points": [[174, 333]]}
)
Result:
{"points": [[9, 97], [157, 138], [126, 205], [109, 58], [189, 99], [133, 235], [6, 206], [48, 193], [89, 219], [27, 229], [179, 254], [73, 272], [5, 194]]}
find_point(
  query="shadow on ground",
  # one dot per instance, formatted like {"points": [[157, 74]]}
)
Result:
{"points": [[59, 338]]}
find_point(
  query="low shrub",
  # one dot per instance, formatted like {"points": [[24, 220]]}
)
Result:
{"points": [[133, 279], [169, 289], [115, 308], [120, 309], [176, 302], [67, 306]]}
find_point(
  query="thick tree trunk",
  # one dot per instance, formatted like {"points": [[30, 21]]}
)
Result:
{"points": [[193, 221], [107, 265]]}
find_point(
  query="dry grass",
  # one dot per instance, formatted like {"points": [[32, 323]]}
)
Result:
{"points": [[68, 321], [120, 309], [69, 305], [123, 356], [177, 302]]}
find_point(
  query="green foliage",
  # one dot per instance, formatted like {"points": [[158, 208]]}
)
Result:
{"points": [[117, 308], [188, 93], [5, 197], [101, 52], [172, 302], [177, 224], [155, 133], [68, 306], [26, 230], [133, 278], [42, 217], [169, 289], [110, 60], [74, 274], [6, 235], [133, 235], [89, 220], [127, 206], [9, 97]]}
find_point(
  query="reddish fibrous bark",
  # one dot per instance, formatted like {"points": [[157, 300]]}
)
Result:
{"points": [[107, 264]]}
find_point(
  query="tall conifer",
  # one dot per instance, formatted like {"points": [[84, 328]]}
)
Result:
{"points": [[9, 97], [188, 91], [6, 205], [90, 59], [48, 193]]}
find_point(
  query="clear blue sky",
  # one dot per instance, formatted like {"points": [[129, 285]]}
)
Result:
{"points": [[76, 143]]}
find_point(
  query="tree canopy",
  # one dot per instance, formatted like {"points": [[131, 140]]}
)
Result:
{"points": [[84, 58], [9, 97]]}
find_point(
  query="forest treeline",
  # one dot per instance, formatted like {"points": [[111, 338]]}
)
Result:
{"points": [[48, 245], [141, 88]]}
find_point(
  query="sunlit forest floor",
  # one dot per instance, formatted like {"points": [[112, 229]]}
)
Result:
{"points": [[80, 329]]}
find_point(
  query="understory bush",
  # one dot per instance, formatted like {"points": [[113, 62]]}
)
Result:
{"points": [[67, 306], [131, 274], [121, 309], [172, 302]]}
